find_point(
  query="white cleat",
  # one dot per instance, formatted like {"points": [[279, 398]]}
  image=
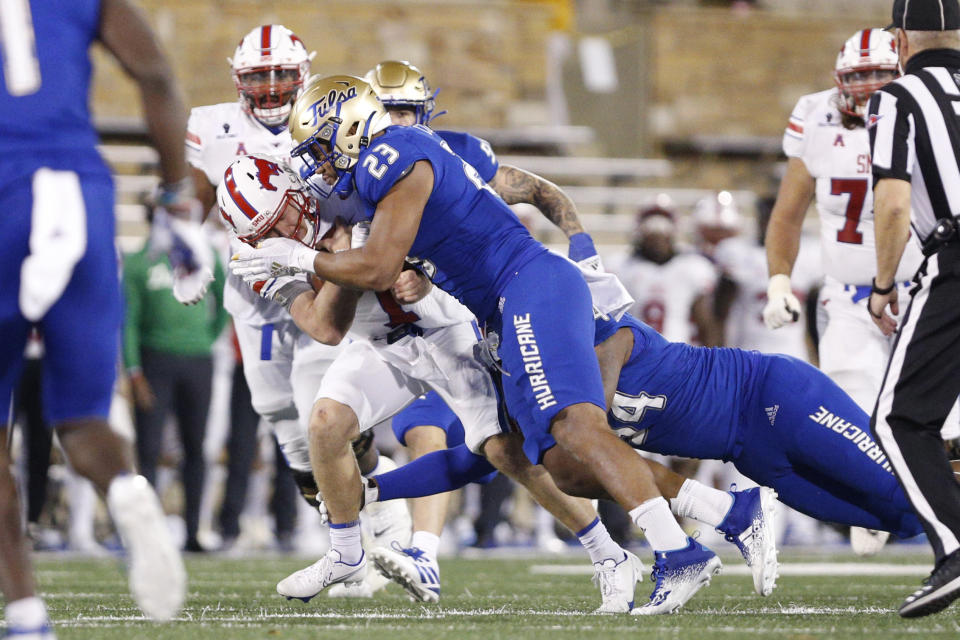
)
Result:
{"points": [[617, 581], [328, 570], [867, 542], [678, 575], [372, 583], [749, 525], [158, 580], [411, 569]]}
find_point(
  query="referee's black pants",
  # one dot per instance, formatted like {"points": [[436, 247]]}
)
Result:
{"points": [[921, 384]]}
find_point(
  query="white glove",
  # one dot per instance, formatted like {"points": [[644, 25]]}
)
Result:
{"points": [[186, 245], [272, 258], [782, 306], [593, 263], [190, 288]]}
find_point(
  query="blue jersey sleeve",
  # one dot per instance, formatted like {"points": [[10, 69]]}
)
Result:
{"points": [[476, 151], [383, 164]]}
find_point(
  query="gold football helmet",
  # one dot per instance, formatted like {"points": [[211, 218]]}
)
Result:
{"points": [[400, 84], [333, 121]]}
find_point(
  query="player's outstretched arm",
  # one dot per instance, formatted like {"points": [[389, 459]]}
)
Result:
{"points": [[517, 186], [125, 32], [786, 220]]}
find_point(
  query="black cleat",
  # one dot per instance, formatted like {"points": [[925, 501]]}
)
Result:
{"points": [[937, 592]]}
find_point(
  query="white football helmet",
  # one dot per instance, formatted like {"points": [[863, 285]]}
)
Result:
{"points": [[255, 195], [866, 62], [400, 84], [717, 212], [270, 66], [333, 122]]}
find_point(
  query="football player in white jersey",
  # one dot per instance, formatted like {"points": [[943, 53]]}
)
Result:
{"points": [[283, 365], [828, 159], [671, 288], [398, 352]]}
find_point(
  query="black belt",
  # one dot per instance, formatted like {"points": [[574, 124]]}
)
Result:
{"points": [[944, 233], [403, 331]]}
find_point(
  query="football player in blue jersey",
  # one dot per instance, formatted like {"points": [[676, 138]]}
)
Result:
{"points": [[783, 423], [425, 201], [409, 100], [59, 261]]}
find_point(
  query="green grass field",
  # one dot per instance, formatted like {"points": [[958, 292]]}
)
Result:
{"points": [[545, 597]]}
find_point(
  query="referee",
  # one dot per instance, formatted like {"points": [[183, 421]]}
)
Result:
{"points": [[915, 145]]}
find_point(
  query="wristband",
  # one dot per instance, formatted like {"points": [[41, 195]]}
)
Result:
{"points": [[581, 247], [290, 292], [174, 192], [881, 292]]}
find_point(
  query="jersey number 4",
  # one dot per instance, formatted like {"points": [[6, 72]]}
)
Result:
{"points": [[21, 68], [857, 188]]}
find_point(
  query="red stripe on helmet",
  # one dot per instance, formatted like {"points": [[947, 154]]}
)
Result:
{"points": [[865, 43], [237, 197], [265, 40]]}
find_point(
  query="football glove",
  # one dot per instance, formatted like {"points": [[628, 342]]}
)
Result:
{"points": [[582, 251], [186, 246], [273, 257], [782, 306]]}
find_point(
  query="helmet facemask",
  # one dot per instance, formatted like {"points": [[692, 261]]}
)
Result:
{"points": [[857, 85], [269, 68], [267, 93]]}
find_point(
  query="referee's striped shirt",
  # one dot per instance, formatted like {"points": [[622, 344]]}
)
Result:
{"points": [[914, 125]]}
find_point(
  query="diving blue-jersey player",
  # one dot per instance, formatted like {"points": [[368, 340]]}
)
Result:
{"points": [[427, 202], [783, 423], [59, 269]]}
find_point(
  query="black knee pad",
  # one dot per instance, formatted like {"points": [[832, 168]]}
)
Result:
{"points": [[363, 443], [307, 485]]}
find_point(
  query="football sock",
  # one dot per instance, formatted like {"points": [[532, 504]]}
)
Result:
{"points": [[26, 613], [702, 503], [597, 541], [426, 542], [658, 525], [345, 538]]}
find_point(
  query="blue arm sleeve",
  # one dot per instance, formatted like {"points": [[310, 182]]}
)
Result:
{"points": [[434, 473]]}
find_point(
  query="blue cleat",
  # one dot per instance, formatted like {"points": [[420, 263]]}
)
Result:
{"points": [[411, 569], [749, 525], [678, 575]]}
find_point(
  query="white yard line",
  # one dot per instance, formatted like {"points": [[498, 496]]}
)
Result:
{"points": [[786, 569]]}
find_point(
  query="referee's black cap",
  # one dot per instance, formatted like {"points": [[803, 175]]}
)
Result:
{"points": [[925, 15]]}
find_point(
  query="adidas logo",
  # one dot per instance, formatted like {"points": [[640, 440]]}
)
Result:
{"points": [[772, 413]]}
